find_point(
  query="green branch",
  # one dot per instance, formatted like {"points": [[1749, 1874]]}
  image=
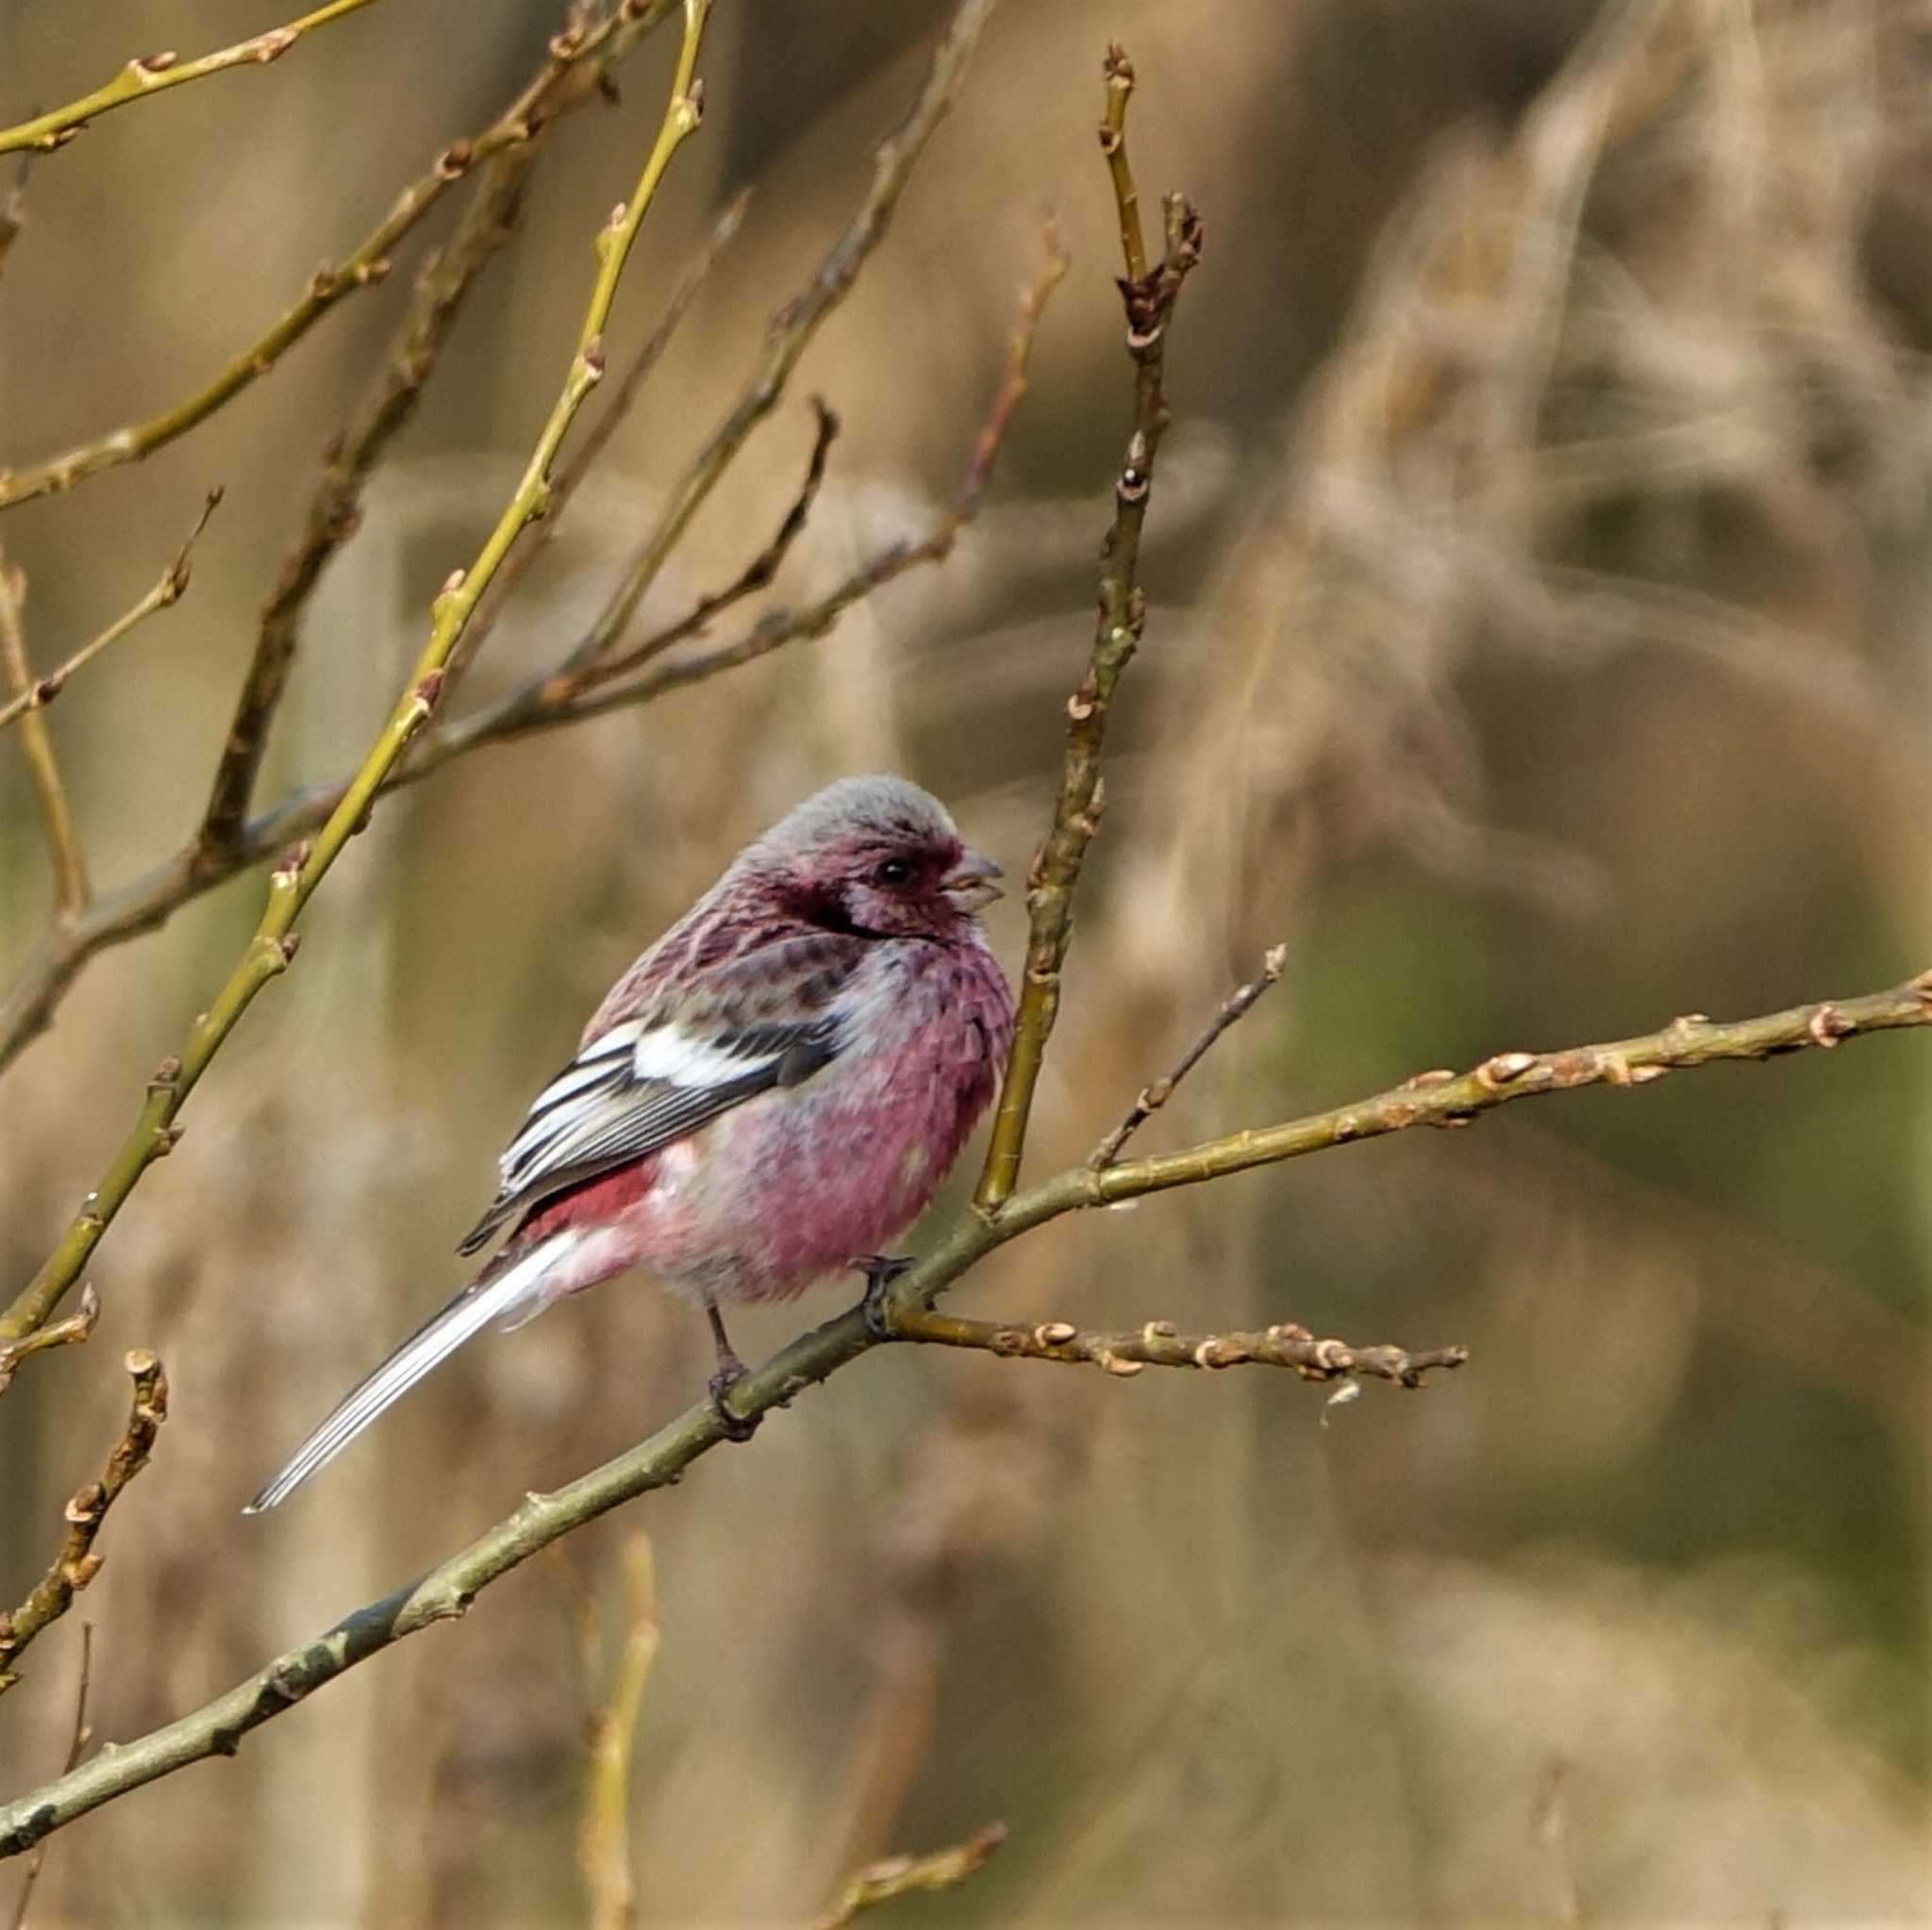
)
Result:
{"points": [[272, 947], [153, 74], [448, 1590]]}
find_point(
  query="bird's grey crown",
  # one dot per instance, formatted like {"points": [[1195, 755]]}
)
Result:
{"points": [[881, 806]]}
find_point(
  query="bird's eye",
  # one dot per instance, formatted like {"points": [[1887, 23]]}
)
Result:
{"points": [[894, 870]]}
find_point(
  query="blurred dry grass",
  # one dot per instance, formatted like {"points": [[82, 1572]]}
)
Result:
{"points": [[1539, 592]]}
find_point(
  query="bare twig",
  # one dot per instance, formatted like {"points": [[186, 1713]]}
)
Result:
{"points": [[169, 590], [335, 508], [65, 856], [13, 209], [83, 1734], [756, 575], [579, 59], [897, 1876], [151, 73], [70, 1332], [604, 1843], [447, 1590], [591, 444], [272, 947], [1160, 1344], [794, 326], [1156, 1095], [1150, 296], [76, 1564]]}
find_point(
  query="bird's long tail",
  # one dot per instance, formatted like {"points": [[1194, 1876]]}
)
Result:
{"points": [[494, 1296]]}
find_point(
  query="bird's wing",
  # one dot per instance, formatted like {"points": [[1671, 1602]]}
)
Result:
{"points": [[644, 1085]]}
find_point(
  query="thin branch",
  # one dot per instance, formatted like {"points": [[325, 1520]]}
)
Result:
{"points": [[1156, 1095], [169, 590], [604, 1843], [68, 861], [756, 575], [272, 947], [598, 437], [1160, 1344], [1150, 297], [897, 1876], [578, 58], [795, 325], [83, 1734], [71, 1332], [77, 1564], [448, 1590], [13, 209], [152, 73], [335, 508]]}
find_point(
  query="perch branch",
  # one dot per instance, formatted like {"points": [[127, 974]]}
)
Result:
{"points": [[335, 506], [170, 590], [578, 58], [897, 1876], [68, 861], [448, 1590], [70, 1332], [1156, 1095], [76, 1564], [153, 74], [1150, 296], [272, 947], [604, 1843], [1160, 1344]]}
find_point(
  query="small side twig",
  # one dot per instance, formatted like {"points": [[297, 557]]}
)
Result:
{"points": [[603, 1841], [169, 590], [1149, 295], [151, 73], [13, 209], [756, 575], [1156, 1095], [1160, 1344], [65, 856], [77, 1564], [83, 1734], [897, 1876], [71, 1332]]}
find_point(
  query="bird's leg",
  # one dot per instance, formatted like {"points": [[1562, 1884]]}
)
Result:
{"points": [[732, 1369], [881, 1271]]}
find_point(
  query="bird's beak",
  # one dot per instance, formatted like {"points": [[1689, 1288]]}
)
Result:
{"points": [[970, 885]]}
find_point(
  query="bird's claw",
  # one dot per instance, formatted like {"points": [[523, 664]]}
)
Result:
{"points": [[881, 1271], [739, 1428]]}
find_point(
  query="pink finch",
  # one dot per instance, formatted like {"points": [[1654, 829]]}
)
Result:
{"points": [[772, 1093]]}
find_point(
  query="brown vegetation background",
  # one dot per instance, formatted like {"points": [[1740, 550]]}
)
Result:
{"points": [[1540, 590]]}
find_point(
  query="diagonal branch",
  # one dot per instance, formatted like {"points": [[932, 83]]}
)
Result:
{"points": [[897, 1876], [272, 947], [76, 1564], [168, 592], [578, 58], [335, 508], [152, 73], [65, 853], [448, 1590], [1150, 296], [1233, 1008]]}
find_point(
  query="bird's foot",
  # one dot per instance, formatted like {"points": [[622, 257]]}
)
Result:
{"points": [[881, 1271], [735, 1426]]}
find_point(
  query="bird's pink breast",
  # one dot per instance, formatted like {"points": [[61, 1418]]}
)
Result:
{"points": [[798, 1183]]}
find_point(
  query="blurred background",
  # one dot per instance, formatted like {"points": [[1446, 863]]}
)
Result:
{"points": [[1539, 584]]}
